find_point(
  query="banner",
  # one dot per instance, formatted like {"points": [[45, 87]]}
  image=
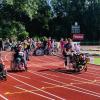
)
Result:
{"points": [[78, 36]]}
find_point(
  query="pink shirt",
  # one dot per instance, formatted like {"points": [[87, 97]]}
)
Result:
{"points": [[62, 44]]}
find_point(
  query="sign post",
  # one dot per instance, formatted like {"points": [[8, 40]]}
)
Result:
{"points": [[75, 30]]}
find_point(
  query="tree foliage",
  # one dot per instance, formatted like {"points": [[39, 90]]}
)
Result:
{"points": [[49, 17], [85, 12], [11, 28], [29, 7]]}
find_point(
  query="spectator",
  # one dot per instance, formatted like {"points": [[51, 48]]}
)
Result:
{"points": [[62, 44], [1, 44]]}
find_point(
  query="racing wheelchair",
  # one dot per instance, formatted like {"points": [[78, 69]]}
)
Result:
{"points": [[38, 52], [78, 61], [41, 50], [18, 62], [18, 65]]}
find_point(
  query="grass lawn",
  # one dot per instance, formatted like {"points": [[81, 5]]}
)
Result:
{"points": [[97, 61]]}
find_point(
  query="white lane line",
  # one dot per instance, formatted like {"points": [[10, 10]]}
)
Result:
{"points": [[36, 88], [94, 93], [96, 84], [4, 98], [20, 75], [89, 67], [93, 74], [34, 93], [65, 74], [54, 63], [87, 74], [66, 87], [89, 82]]}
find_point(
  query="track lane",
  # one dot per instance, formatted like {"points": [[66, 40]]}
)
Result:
{"points": [[41, 65]]}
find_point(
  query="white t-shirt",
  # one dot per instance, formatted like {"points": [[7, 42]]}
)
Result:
{"points": [[21, 53]]}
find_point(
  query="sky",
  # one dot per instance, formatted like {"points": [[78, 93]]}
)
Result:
{"points": [[0, 1]]}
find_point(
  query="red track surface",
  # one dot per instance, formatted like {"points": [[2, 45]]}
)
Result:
{"points": [[46, 81]]}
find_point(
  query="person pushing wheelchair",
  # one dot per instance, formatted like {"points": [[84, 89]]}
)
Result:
{"points": [[67, 52]]}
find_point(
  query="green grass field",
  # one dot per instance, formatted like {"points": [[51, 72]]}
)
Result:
{"points": [[97, 61]]}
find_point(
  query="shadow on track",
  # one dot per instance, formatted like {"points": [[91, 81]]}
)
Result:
{"points": [[15, 71], [61, 70]]}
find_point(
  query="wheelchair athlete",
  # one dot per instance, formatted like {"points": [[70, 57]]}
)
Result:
{"points": [[73, 57], [19, 58]]}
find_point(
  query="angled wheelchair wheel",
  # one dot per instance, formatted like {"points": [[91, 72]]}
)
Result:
{"points": [[82, 68], [3, 75], [39, 52]]}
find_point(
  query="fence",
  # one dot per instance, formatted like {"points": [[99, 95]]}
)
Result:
{"points": [[90, 43]]}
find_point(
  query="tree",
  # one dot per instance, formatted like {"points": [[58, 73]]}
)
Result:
{"points": [[85, 12], [50, 18], [39, 24], [29, 7], [11, 29]]}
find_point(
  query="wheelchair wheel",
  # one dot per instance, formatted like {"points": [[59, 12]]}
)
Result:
{"points": [[81, 68], [39, 52], [5, 77], [46, 51]]}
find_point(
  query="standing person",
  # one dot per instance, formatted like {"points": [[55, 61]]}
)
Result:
{"points": [[1, 44], [31, 43], [62, 45], [7, 44], [76, 48], [26, 49], [66, 41], [67, 52], [49, 42], [44, 45], [52, 46]]}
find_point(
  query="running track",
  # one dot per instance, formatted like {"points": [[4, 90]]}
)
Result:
{"points": [[45, 80]]}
